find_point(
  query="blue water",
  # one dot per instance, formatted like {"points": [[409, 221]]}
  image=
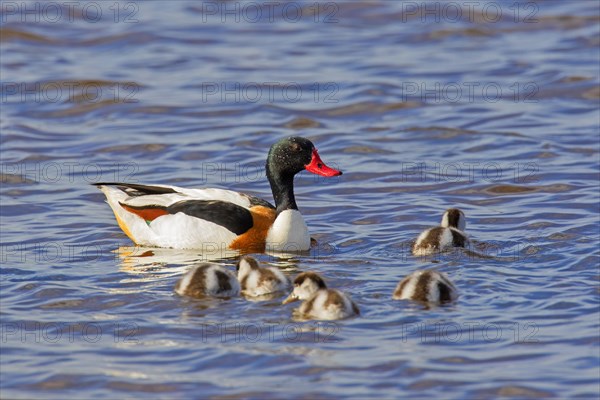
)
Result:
{"points": [[495, 111]]}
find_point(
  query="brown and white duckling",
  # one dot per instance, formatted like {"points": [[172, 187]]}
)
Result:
{"points": [[257, 281], [449, 234], [427, 286], [319, 302], [208, 280]]}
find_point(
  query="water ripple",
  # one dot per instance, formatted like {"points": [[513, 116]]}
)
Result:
{"points": [[499, 119]]}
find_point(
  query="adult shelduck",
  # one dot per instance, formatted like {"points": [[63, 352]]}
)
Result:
{"points": [[449, 234], [320, 302], [426, 286], [170, 216]]}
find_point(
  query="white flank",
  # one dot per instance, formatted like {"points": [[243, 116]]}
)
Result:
{"points": [[181, 231]]}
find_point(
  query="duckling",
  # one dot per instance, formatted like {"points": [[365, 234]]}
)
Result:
{"points": [[427, 286], [320, 303], [256, 281], [208, 280], [449, 234]]}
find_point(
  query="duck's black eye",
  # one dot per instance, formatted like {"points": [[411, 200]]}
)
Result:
{"points": [[295, 147]]}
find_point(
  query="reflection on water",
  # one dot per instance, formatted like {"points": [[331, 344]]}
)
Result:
{"points": [[137, 259], [494, 111]]}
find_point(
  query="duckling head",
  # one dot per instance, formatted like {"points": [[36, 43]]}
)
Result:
{"points": [[305, 285], [454, 218]]}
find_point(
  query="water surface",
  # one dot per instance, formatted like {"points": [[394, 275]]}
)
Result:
{"points": [[495, 112]]}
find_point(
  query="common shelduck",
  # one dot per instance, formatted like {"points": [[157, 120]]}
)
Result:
{"points": [[319, 302], [426, 286], [208, 280], [449, 234], [256, 281], [170, 216]]}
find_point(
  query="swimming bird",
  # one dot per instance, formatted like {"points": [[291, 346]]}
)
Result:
{"points": [[175, 217], [426, 286], [449, 234], [257, 281], [208, 280], [320, 302]]}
